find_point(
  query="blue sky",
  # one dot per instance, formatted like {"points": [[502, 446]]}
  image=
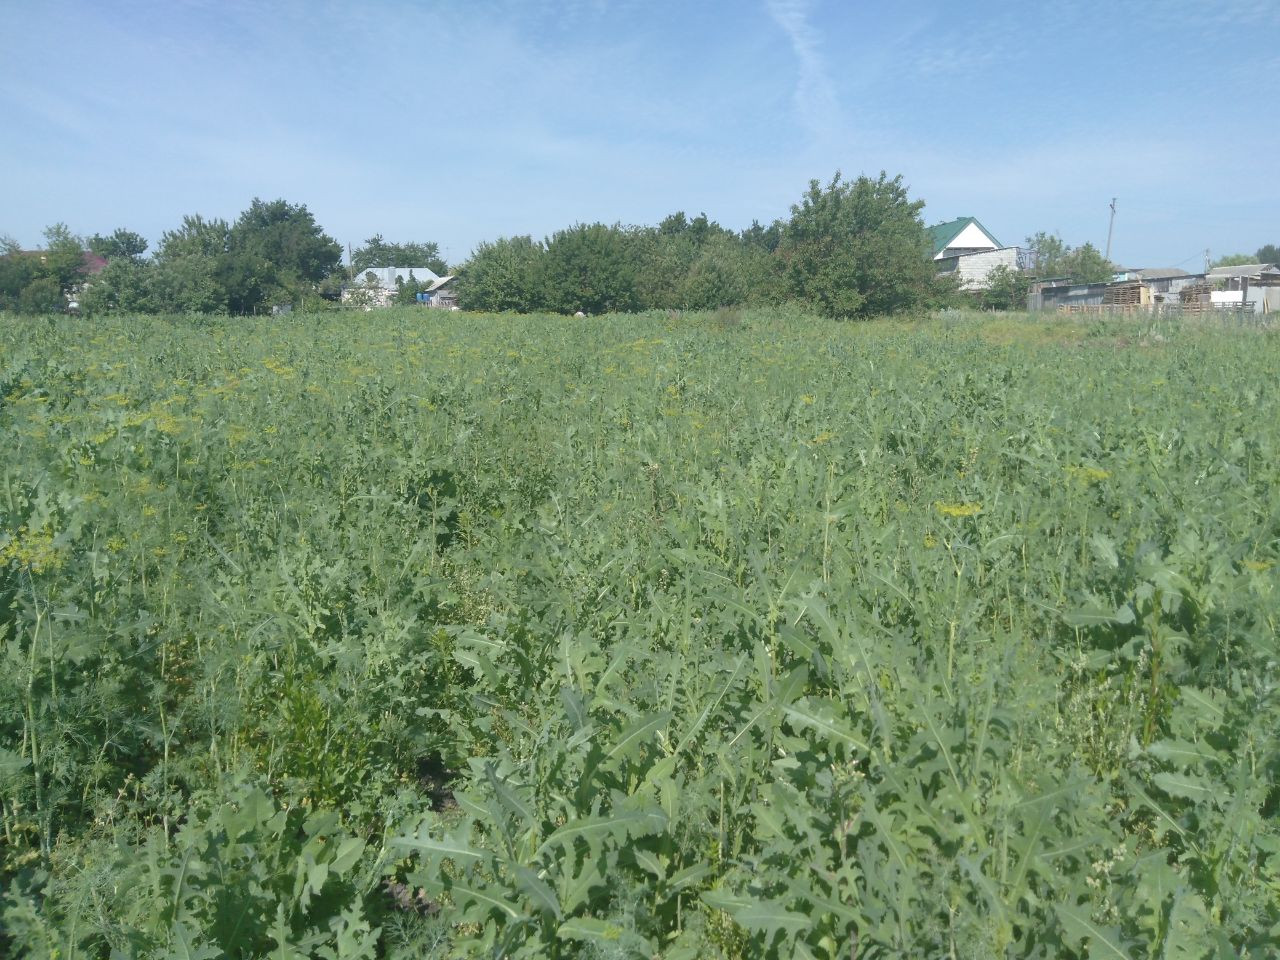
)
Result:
{"points": [[464, 121]]}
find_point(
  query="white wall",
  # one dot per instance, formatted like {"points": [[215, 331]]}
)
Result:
{"points": [[973, 268]]}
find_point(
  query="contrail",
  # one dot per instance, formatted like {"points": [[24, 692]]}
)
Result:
{"points": [[815, 97]]}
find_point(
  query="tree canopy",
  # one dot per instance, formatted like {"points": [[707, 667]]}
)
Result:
{"points": [[858, 249], [1050, 257], [377, 252], [121, 245]]}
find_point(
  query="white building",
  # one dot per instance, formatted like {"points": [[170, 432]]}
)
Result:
{"points": [[966, 248]]}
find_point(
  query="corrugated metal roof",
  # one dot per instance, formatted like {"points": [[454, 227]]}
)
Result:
{"points": [[1159, 273], [440, 282], [1244, 270]]}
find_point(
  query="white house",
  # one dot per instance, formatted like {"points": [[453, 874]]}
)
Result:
{"points": [[966, 248]]}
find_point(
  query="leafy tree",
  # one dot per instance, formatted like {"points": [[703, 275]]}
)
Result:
{"points": [[63, 256], [1006, 289], [590, 267], [121, 245], [288, 240], [1268, 254], [42, 295], [858, 249], [1233, 260], [196, 237], [721, 276], [18, 268], [1087, 265], [766, 238], [407, 290], [190, 266], [1047, 253], [504, 275], [124, 284], [187, 285], [1050, 257], [377, 252]]}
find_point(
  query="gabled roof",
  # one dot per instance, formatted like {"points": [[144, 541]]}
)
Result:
{"points": [[943, 233], [439, 283]]}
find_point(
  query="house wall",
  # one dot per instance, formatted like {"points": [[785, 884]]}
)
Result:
{"points": [[974, 268]]}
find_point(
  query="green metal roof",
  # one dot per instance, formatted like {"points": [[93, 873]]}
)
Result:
{"points": [[944, 233]]}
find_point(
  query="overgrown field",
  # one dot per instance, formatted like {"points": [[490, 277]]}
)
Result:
{"points": [[415, 635]]}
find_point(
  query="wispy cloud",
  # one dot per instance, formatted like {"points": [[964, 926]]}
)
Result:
{"points": [[817, 107]]}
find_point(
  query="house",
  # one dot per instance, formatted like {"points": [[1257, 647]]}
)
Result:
{"points": [[1257, 275], [965, 248], [378, 286], [442, 294], [1248, 285]]}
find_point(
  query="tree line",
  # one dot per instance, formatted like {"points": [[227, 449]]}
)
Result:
{"points": [[850, 248], [273, 253]]}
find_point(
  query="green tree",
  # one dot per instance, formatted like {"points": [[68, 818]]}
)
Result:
{"points": [[121, 245], [858, 249], [18, 268], [407, 290], [1046, 254], [591, 267], [63, 256], [1233, 260], [196, 237], [1268, 254], [42, 295], [280, 247], [124, 284], [377, 252], [1006, 289], [191, 263], [506, 274], [728, 272], [766, 238], [1087, 265]]}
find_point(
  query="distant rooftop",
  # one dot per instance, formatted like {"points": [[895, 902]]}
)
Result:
{"points": [[1244, 270], [943, 234]]}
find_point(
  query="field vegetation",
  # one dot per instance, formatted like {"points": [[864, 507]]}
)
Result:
{"points": [[735, 634]]}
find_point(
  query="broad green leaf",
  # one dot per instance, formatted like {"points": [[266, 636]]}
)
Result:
{"points": [[464, 892], [1187, 786], [826, 718], [538, 891], [770, 916], [1104, 942], [628, 823], [447, 847], [590, 930], [637, 734]]}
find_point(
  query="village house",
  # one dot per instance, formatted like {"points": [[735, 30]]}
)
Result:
{"points": [[965, 248], [379, 286]]}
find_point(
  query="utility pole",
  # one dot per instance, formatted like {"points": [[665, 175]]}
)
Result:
{"points": [[1206, 261], [1111, 227]]}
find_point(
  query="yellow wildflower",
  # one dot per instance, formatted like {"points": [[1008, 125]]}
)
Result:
{"points": [[958, 509]]}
